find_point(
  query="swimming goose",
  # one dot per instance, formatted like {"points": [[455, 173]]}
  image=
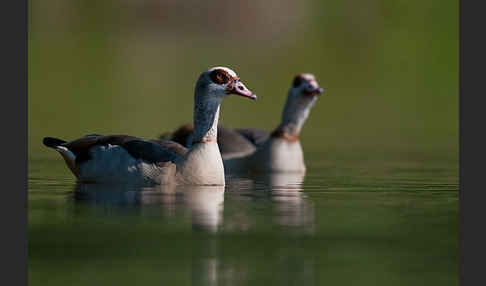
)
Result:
{"points": [[128, 159], [246, 150]]}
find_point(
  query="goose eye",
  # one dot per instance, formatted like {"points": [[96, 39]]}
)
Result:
{"points": [[219, 77], [297, 81]]}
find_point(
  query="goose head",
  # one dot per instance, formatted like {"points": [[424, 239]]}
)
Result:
{"points": [[220, 82], [212, 87], [305, 84], [301, 98]]}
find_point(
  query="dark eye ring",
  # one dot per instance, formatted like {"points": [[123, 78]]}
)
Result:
{"points": [[219, 77]]}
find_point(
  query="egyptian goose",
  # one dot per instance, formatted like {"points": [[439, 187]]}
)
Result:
{"points": [[132, 160], [253, 149]]}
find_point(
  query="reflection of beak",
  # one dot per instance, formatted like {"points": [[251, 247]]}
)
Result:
{"points": [[240, 89]]}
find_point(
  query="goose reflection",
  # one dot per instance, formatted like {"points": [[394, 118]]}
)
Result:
{"points": [[204, 203], [292, 209], [289, 208], [212, 260]]}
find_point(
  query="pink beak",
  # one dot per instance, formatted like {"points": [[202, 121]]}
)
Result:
{"points": [[240, 89]]}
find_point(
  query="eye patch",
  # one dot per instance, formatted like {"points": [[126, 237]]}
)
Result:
{"points": [[219, 77]]}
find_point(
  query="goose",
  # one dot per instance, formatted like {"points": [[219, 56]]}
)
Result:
{"points": [[256, 150], [131, 160]]}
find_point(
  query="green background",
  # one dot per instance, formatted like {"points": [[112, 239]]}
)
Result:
{"points": [[379, 202], [390, 67]]}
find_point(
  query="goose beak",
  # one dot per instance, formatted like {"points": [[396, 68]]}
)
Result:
{"points": [[240, 89], [314, 90]]}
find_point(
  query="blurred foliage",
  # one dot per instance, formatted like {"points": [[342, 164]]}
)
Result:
{"points": [[390, 67]]}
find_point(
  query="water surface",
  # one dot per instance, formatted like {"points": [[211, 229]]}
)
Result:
{"points": [[369, 223]]}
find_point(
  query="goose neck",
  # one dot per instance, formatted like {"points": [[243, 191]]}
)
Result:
{"points": [[206, 116]]}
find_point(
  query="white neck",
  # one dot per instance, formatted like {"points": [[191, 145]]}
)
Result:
{"points": [[203, 164], [206, 115], [297, 109]]}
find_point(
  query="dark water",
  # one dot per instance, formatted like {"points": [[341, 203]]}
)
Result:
{"points": [[369, 223]]}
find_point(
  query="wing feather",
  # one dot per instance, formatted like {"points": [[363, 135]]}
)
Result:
{"points": [[153, 151]]}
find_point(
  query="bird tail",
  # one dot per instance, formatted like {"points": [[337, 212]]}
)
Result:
{"points": [[66, 154], [52, 142]]}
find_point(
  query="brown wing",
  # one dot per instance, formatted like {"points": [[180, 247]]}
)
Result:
{"points": [[172, 146], [153, 151], [80, 147], [229, 140], [256, 136], [183, 135]]}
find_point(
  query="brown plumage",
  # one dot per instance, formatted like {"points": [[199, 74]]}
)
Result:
{"points": [[128, 159], [256, 149], [229, 140], [181, 134], [137, 147]]}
